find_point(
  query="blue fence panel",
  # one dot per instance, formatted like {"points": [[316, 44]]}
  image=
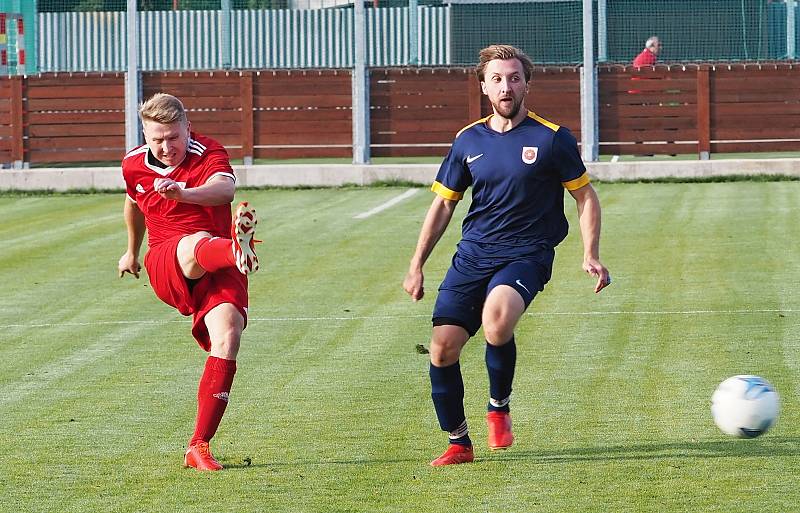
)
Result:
{"points": [[179, 40], [259, 39]]}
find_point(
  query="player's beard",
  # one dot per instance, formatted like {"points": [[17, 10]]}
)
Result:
{"points": [[508, 112]]}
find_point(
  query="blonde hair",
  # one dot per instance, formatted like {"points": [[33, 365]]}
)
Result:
{"points": [[163, 108], [503, 52]]}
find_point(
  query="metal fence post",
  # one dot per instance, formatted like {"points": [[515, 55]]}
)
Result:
{"points": [[589, 125], [361, 153], [602, 31], [791, 14], [703, 114], [413, 32], [132, 81], [225, 33]]}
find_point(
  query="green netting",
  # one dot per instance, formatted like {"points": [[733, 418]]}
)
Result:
{"points": [[698, 30], [550, 32], [430, 32]]}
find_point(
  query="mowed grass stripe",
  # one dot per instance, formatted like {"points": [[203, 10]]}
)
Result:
{"points": [[27, 221]]}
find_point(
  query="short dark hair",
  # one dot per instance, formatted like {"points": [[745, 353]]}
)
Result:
{"points": [[503, 52]]}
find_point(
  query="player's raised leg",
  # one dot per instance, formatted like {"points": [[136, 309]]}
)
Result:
{"points": [[502, 311], [200, 253], [225, 324], [447, 392]]}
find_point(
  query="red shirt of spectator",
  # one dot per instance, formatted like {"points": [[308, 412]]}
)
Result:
{"points": [[646, 58]]}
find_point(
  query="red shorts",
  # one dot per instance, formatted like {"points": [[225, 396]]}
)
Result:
{"points": [[194, 297]]}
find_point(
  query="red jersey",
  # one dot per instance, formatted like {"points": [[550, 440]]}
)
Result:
{"points": [[166, 218], [646, 58]]}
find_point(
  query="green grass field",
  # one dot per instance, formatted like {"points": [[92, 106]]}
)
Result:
{"points": [[330, 410]]}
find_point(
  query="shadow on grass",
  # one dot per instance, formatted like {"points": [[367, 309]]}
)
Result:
{"points": [[321, 463], [725, 448]]}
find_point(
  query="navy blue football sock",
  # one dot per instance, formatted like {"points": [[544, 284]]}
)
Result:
{"points": [[460, 435], [447, 392], [500, 362]]}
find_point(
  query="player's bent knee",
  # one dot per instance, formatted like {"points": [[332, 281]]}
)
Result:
{"points": [[185, 254], [225, 324], [498, 337], [498, 329], [446, 351], [225, 342], [225, 348], [444, 358], [501, 313], [446, 344]]}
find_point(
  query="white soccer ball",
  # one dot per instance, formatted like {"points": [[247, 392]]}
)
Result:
{"points": [[745, 406]]}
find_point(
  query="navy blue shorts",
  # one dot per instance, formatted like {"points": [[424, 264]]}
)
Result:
{"points": [[470, 279]]}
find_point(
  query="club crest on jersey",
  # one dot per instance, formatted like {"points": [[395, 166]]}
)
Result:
{"points": [[529, 154]]}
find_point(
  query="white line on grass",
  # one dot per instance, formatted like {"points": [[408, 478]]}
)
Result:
{"points": [[388, 204], [413, 316]]}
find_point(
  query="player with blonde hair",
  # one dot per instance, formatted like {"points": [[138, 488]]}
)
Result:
{"points": [[179, 187]]}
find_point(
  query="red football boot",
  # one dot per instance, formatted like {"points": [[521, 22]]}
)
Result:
{"points": [[242, 230], [199, 456], [500, 435], [454, 455]]}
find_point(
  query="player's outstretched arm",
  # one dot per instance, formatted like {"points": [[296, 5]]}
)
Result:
{"points": [[436, 221], [134, 222], [218, 190], [589, 218]]}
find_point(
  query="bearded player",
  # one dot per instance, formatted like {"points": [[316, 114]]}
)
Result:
{"points": [[518, 165]]}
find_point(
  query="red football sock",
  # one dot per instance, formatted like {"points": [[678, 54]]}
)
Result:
{"points": [[213, 254], [212, 397]]}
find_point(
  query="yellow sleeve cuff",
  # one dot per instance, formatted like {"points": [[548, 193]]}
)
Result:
{"points": [[446, 193], [577, 183]]}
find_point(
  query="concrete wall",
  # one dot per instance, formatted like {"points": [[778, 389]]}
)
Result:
{"points": [[327, 175]]}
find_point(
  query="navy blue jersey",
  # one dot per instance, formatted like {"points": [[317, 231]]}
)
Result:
{"points": [[518, 180]]}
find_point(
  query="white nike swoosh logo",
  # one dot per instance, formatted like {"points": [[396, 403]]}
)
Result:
{"points": [[523, 286], [471, 159]]}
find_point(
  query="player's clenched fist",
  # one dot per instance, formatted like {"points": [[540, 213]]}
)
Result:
{"points": [[167, 187], [413, 284]]}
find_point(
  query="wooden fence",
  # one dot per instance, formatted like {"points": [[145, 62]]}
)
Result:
{"points": [[700, 108], [62, 118]]}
